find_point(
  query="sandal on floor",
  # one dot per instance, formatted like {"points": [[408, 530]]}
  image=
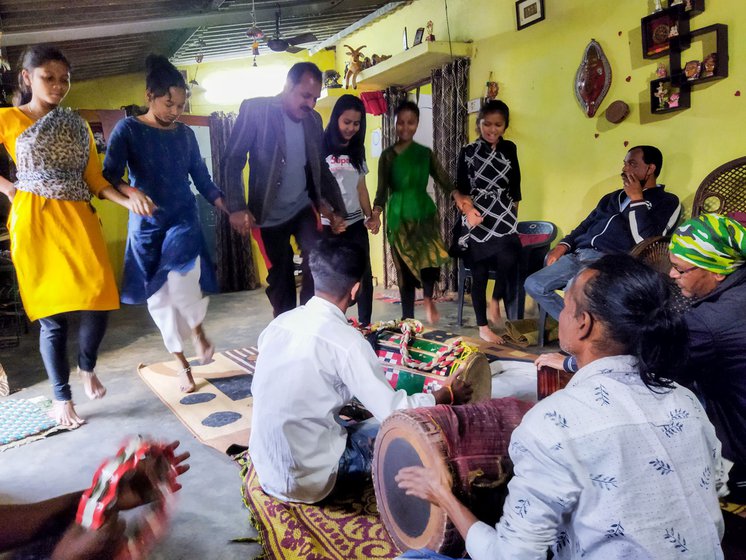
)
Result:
{"points": [[91, 385], [64, 414], [186, 381]]}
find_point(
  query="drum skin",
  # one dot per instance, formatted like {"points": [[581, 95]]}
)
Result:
{"points": [[467, 444]]}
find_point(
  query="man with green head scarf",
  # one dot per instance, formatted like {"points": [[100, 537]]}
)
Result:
{"points": [[707, 262]]}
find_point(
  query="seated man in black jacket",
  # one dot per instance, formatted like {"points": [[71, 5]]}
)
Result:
{"points": [[708, 257], [621, 219]]}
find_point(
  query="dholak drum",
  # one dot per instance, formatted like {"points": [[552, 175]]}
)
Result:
{"points": [[468, 442], [550, 380], [430, 364]]}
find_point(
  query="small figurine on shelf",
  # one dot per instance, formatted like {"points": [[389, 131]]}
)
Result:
{"points": [[674, 31], [331, 79], [658, 7], [675, 3], [687, 5], [673, 100], [355, 66], [662, 94], [367, 63], [376, 58], [491, 89], [692, 70], [661, 71], [429, 30], [709, 65]]}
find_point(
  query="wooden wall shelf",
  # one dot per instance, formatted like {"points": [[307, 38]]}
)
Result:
{"points": [[411, 66], [329, 96]]}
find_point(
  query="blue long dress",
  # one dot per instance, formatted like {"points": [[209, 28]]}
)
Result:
{"points": [[160, 162]]}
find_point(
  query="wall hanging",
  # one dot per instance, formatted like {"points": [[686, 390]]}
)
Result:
{"points": [[593, 78]]}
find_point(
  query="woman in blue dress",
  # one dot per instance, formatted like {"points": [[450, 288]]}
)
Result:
{"points": [[166, 263]]}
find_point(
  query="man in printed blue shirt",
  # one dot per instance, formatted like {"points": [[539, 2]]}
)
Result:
{"points": [[621, 219], [622, 463]]}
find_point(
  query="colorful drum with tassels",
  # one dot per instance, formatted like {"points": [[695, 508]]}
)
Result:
{"points": [[419, 365]]}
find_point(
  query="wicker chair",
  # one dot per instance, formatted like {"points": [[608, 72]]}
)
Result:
{"points": [[653, 251], [723, 191]]}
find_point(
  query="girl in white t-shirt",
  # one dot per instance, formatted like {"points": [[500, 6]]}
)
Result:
{"points": [[344, 151]]}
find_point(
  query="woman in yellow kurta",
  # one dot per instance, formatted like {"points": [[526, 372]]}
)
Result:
{"points": [[57, 244]]}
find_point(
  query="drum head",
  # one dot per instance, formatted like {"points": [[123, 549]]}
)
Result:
{"points": [[477, 373], [402, 442]]}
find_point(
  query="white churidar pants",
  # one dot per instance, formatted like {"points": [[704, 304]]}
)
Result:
{"points": [[178, 306]]}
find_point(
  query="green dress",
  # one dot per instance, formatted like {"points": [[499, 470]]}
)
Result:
{"points": [[412, 223]]}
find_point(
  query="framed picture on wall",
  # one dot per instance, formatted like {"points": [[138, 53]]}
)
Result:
{"points": [[418, 36], [528, 12]]}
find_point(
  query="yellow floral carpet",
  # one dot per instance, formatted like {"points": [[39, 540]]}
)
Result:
{"points": [[345, 526]]}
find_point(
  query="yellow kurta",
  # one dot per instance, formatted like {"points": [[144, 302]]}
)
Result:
{"points": [[58, 246]]}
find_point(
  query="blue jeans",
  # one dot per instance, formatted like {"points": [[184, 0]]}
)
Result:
{"points": [[357, 460], [541, 285], [53, 347]]}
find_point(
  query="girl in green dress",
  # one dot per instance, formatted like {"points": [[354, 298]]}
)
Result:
{"points": [[412, 224]]}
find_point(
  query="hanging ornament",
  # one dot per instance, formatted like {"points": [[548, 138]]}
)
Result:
{"points": [[255, 48]]}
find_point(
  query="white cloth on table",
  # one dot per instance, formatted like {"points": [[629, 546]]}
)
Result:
{"points": [[311, 363], [608, 469]]}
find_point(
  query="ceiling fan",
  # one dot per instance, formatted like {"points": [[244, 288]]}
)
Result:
{"points": [[280, 44]]}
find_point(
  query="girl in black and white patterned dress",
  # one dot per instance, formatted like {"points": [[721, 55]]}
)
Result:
{"points": [[489, 181]]}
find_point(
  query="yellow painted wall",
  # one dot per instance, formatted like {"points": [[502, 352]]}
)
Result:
{"points": [[568, 160], [117, 91]]}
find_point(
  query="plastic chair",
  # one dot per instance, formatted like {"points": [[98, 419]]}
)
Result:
{"points": [[723, 191], [536, 237]]}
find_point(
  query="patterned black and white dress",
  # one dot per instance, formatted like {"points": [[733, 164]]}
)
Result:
{"points": [[493, 180]]}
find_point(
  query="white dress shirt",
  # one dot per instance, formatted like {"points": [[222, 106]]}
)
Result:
{"points": [[608, 469], [311, 363]]}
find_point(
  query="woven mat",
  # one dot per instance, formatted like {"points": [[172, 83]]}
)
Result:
{"points": [[342, 527], [218, 412], [23, 421]]}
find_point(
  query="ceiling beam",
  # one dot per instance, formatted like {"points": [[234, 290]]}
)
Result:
{"points": [[227, 17]]}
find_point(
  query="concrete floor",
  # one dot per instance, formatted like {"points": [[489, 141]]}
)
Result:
{"points": [[209, 512]]}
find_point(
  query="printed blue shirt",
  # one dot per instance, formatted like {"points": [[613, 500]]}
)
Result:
{"points": [[607, 469]]}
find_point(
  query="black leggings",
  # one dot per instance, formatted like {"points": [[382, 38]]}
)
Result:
{"points": [[408, 282], [504, 263]]}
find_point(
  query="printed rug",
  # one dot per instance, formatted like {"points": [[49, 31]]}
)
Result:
{"points": [[345, 526], [218, 412], [23, 421]]}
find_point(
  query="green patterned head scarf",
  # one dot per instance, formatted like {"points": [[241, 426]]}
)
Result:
{"points": [[712, 242]]}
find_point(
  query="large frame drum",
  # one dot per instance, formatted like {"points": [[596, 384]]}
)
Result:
{"points": [[468, 444]]}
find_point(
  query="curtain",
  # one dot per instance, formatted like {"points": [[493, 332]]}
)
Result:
{"points": [[394, 96], [236, 270], [450, 96]]}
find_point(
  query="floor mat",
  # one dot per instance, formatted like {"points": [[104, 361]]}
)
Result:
{"points": [[218, 412], [23, 421], [343, 527]]}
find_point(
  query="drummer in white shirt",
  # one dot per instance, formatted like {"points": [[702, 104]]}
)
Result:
{"points": [[311, 364], [622, 463]]}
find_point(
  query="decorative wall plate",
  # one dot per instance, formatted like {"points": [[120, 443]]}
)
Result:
{"points": [[593, 78]]}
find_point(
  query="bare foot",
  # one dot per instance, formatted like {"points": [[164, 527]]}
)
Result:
{"points": [[431, 311], [493, 311], [186, 381], [485, 333], [205, 349], [91, 385], [64, 414]]}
